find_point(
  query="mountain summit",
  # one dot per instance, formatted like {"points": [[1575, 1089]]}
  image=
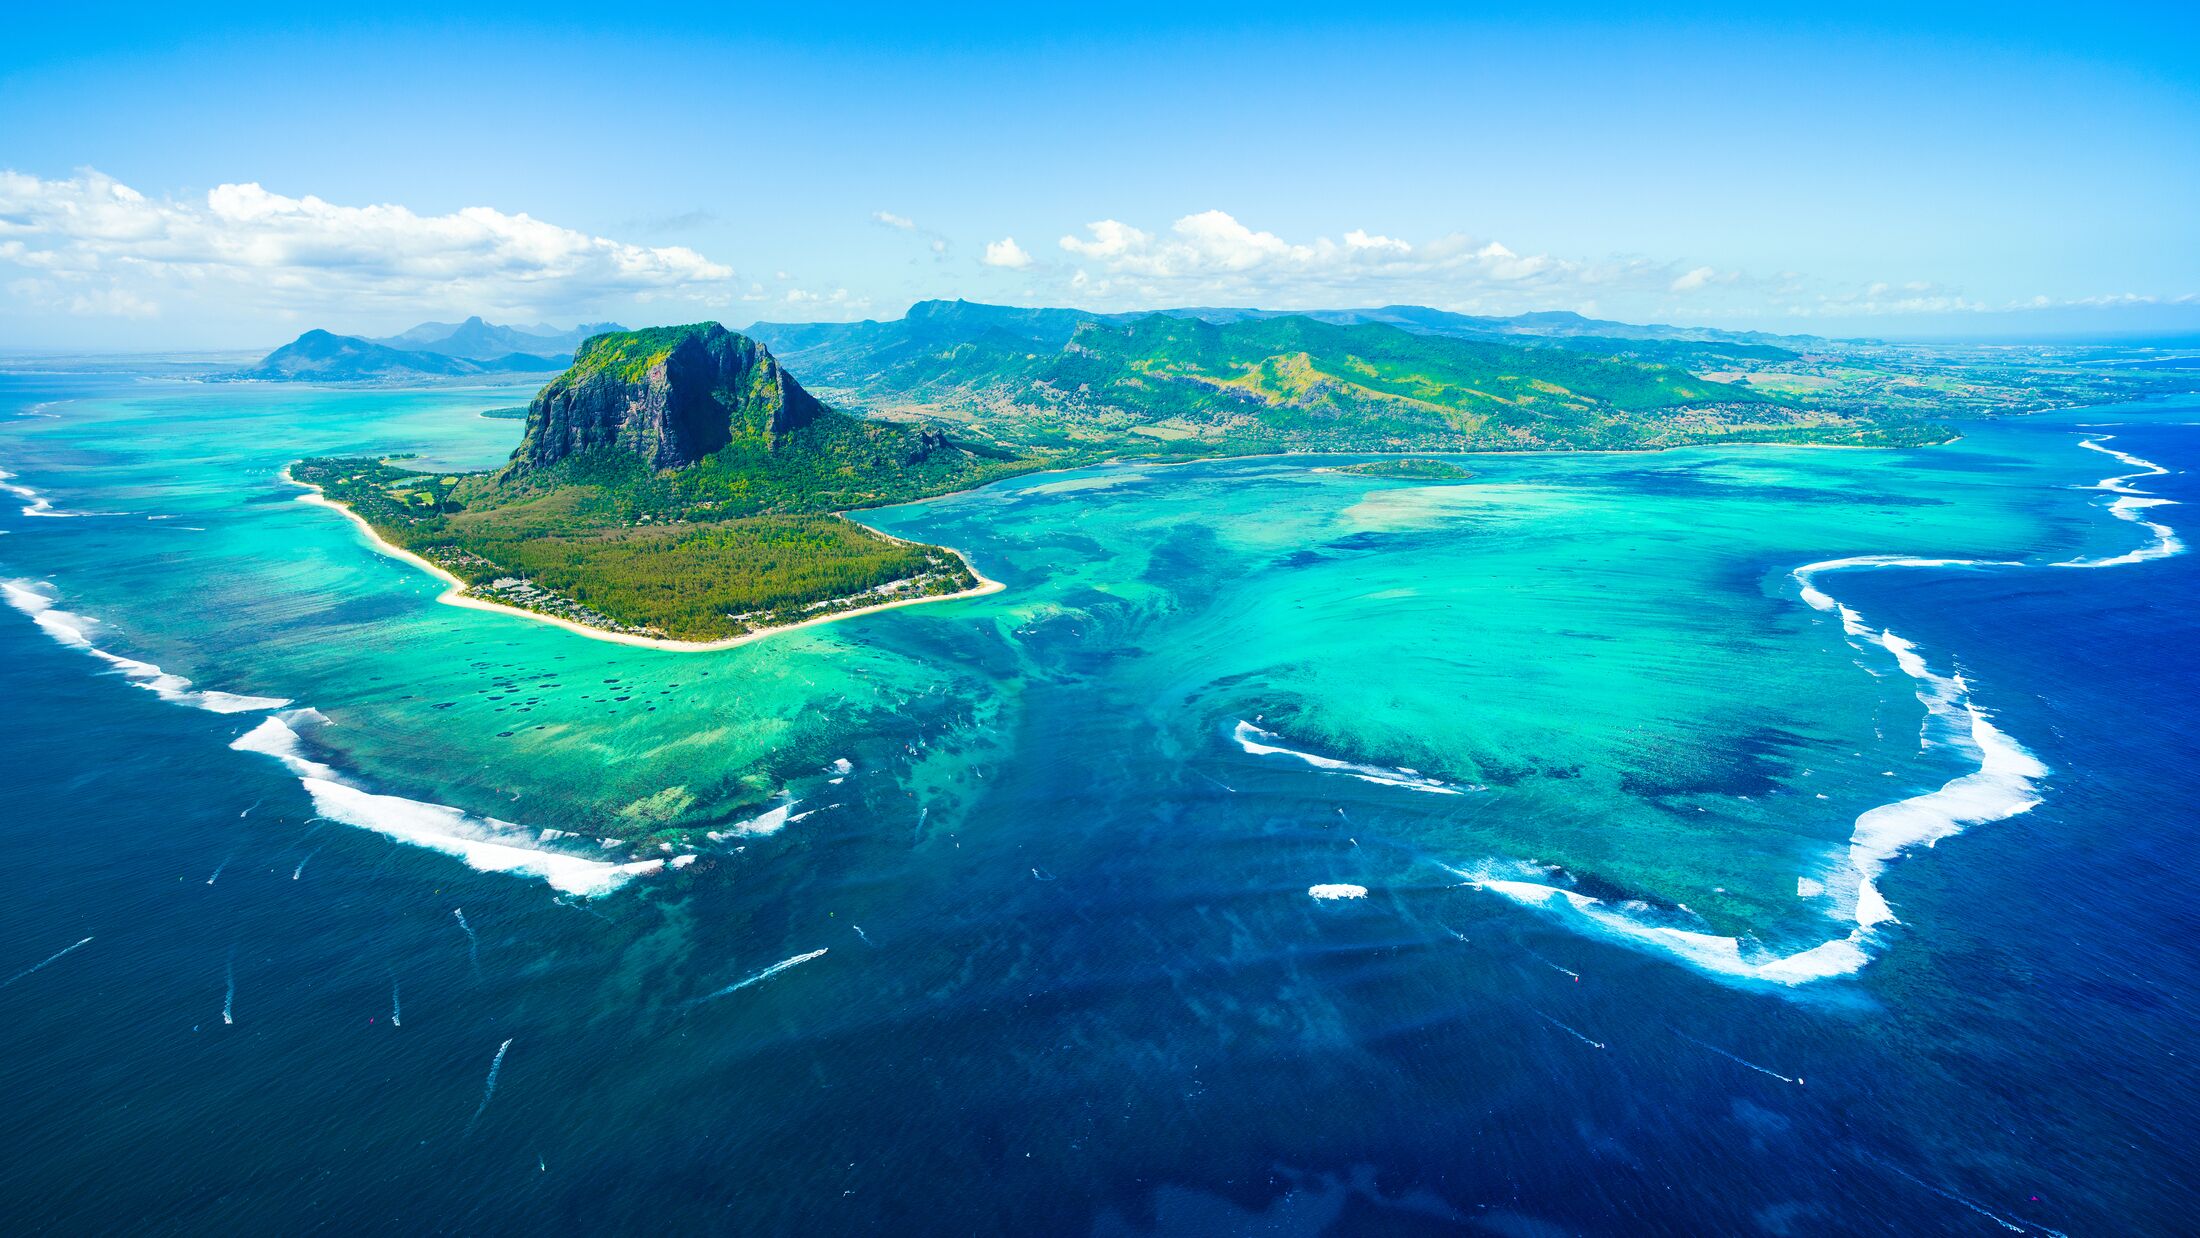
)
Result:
{"points": [[668, 395]]}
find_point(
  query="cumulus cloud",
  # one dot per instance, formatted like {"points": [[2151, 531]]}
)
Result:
{"points": [[892, 220], [1006, 253], [1701, 277], [1212, 256], [94, 245]]}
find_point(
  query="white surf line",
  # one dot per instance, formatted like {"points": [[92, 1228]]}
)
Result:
{"points": [[1737, 1059], [74, 630], [488, 1089], [1250, 737], [1594, 1044], [2117, 484], [486, 844], [41, 964], [2128, 506], [36, 504], [2004, 785], [761, 976]]}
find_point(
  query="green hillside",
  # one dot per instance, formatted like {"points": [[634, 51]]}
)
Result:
{"points": [[1183, 385]]}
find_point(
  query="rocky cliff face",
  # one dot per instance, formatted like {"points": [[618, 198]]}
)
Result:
{"points": [[670, 395]]}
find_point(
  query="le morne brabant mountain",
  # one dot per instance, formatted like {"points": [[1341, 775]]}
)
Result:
{"points": [[678, 482]]}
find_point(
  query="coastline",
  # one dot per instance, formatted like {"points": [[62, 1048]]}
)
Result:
{"points": [[1153, 462], [454, 594]]}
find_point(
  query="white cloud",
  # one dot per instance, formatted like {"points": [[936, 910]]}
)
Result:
{"points": [[892, 220], [1006, 253], [1211, 257], [94, 245], [837, 304], [1695, 279]]}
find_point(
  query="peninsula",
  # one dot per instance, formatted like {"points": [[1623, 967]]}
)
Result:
{"points": [[675, 486], [678, 486]]}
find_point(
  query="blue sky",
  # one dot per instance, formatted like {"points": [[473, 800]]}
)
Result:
{"points": [[176, 179]]}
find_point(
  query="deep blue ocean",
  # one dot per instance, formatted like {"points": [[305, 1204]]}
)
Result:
{"points": [[1112, 1044]]}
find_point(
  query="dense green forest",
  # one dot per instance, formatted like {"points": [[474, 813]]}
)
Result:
{"points": [[587, 560]]}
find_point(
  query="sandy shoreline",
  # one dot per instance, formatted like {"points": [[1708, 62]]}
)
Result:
{"points": [[455, 593]]}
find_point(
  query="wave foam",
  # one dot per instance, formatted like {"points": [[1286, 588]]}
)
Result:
{"points": [[74, 630], [2128, 507], [1338, 890], [483, 843], [1411, 780], [36, 504], [2004, 785]]}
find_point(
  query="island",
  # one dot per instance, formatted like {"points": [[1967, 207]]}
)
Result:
{"points": [[1405, 469]]}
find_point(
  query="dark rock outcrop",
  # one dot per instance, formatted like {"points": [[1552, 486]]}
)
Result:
{"points": [[670, 395]]}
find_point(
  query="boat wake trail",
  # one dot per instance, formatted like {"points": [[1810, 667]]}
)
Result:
{"points": [[1568, 971], [229, 994], [1735, 1058], [2004, 784], [761, 976], [300, 870], [397, 1012], [488, 1089], [1953, 1198], [1594, 1044], [41, 964], [473, 943]]}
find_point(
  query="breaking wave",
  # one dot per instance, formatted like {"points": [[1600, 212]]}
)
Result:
{"points": [[2004, 784], [74, 630], [35, 504], [483, 843], [1254, 740]]}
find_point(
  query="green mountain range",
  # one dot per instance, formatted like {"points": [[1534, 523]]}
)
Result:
{"points": [[1065, 382]]}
